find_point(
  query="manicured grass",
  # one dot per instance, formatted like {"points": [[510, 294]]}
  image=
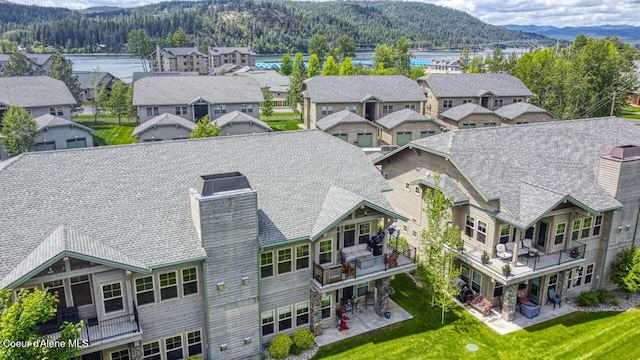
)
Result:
{"points": [[631, 108], [283, 125], [289, 115], [630, 116], [90, 117], [109, 133], [603, 335]]}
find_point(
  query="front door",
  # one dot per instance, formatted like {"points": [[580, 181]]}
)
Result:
{"points": [[541, 239], [370, 111], [403, 138], [199, 111], [365, 139], [534, 290]]}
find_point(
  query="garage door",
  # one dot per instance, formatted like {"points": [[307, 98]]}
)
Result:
{"points": [[342, 136], [404, 138], [365, 140]]}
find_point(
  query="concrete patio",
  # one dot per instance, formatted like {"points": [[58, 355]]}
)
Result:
{"points": [[363, 322]]}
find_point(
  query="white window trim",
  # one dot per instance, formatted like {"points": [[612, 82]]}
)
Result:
{"points": [[153, 290], [182, 283], [273, 272], [272, 315], [202, 350], [177, 285], [556, 233], [291, 256], [290, 307], [159, 348], [164, 343], [124, 305], [330, 250], [296, 258], [308, 312]]}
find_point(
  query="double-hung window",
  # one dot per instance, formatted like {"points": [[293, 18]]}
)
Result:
{"points": [[144, 290], [586, 227], [112, 297], [411, 107], [189, 281], [151, 351], [387, 109], [56, 110], [219, 109], [194, 343], [302, 313], [302, 256], [497, 102], [481, 234], [597, 225], [505, 231], [447, 104], [284, 261], [153, 110], [561, 229], [173, 347], [575, 230], [324, 255], [181, 110], [120, 355], [168, 286], [284, 318], [267, 323], [266, 264], [246, 108], [470, 225], [326, 110], [326, 306]]}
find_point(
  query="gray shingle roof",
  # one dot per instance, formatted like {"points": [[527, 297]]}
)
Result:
{"points": [[229, 50], [268, 78], [176, 90], [360, 88], [165, 119], [182, 51], [34, 91], [137, 75], [37, 59], [532, 167], [460, 112], [396, 118], [474, 85], [448, 187], [514, 110], [135, 198], [238, 117], [86, 78], [50, 121], [342, 117]]}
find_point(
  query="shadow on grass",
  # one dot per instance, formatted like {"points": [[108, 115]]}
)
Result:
{"points": [[110, 133]]}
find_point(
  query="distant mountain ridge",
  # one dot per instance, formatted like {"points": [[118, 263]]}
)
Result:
{"points": [[626, 33]]}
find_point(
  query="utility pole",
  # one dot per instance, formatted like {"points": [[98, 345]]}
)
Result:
{"points": [[613, 103]]}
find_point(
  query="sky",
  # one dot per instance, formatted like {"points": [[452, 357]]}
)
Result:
{"points": [[559, 13]]}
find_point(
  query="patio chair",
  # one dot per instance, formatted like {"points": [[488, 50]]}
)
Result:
{"points": [[526, 244], [392, 260], [502, 252], [555, 299]]}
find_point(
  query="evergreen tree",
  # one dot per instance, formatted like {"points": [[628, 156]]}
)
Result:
{"points": [[205, 128], [267, 105], [287, 66], [139, 44], [180, 38], [346, 47], [18, 130], [18, 65], [294, 94], [61, 70], [496, 63], [346, 68], [314, 66], [403, 57], [318, 46], [19, 319], [330, 67]]}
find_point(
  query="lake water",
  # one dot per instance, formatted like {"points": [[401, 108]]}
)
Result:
{"points": [[123, 66]]}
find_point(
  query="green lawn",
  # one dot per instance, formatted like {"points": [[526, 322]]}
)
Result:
{"points": [[289, 115], [283, 125], [631, 108], [603, 335], [110, 133]]}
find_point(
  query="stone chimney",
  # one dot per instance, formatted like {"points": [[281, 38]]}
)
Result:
{"points": [[224, 208]]}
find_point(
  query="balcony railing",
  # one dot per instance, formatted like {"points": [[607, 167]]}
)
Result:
{"points": [[111, 328]]}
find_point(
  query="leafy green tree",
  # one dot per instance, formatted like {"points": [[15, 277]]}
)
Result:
{"points": [[360, 69], [384, 55], [19, 322], [61, 70], [132, 111], [318, 45], [18, 130], [294, 94], [403, 57], [180, 38], [96, 92], [314, 66], [346, 47], [477, 65], [102, 103], [139, 44], [416, 72], [267, 105], [205, 128], [330, 67], [496, 63], [625, 271], [18, 65], [286, 66], [439, 239], [346, 68], [118, 101], [465, 60]]}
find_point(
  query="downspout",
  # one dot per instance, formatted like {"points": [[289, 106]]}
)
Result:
{"points": [[635, 231], [260, 304], [206, 308]]}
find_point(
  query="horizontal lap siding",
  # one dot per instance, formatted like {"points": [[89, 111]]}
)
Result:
{"points": [[352, 131], [244, 128], [165, 133]]}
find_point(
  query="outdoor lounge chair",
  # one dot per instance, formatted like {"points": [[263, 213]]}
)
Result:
{"points": [[555, 299], [392, 260], [502, 252]]}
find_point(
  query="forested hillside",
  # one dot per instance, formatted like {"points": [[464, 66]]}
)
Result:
{"points": [[269, 26]]}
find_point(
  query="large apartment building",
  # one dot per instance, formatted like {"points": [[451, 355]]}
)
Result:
{"points": [[207, 247], [191, 59]]}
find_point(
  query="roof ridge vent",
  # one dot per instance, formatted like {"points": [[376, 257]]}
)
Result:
{"points": [[214, 184]]}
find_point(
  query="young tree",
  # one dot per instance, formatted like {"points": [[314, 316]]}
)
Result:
{"points": [[314, 66], [330, 67], [18, 65], [18, 130], [403, 57], [496, 63], [416, 72], [383, 55], [132, 111], [180, 38], [205, 128], [465, 60], [346, 47], [439, 240], [19, 322], [346, 68], [267, 105], [318, 46], [294, 94], [96, 92], [118, 101], [61, 70], [625, 271], [140, 44], [286, 67]]}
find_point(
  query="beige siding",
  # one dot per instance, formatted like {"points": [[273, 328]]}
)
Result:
{"points": [[608, 172], [528, 118], [415, 127], [478, 119], [352, 131], [171, 132]]}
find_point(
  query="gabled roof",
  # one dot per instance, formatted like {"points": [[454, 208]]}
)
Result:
{"points": [[359, 88], [229, 50], [226, 67], [533, 168], [37, 59], [176, 90], [65, 240], [266, 78], [514, 110], [86, 78], [460, 112], [51, 121], [396, 118], [139, 75], [151, 182], [182, 51], [238, 117], [448, 187], [472, 85], [34, 91], [342, 117], [165, 119]]}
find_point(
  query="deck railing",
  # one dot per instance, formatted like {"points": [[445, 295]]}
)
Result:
{"points": [[110, 328]]}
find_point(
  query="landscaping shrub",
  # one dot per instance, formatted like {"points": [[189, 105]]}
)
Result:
{"points": [[588, 298], [303, 339], [280, 346], [607, 297]]}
